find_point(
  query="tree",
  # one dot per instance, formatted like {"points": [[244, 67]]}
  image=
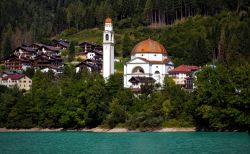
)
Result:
{"points": [[71, 51], [126, 46], [6, 43]]}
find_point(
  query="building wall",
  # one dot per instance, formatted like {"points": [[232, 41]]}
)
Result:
{"points": [[9, 83], [179, 78], [108, 51], [150, 56], [90, 55], [24, 83]]}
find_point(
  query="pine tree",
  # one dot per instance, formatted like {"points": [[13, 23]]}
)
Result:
{"points": [[126, 46], [6, 43], [71, 51]]}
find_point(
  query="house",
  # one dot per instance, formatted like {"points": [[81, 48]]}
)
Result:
{"points": [[14, 62], [48, 50], [90, 65], [137, 82], [36, 45], [56, 70], [43, 61], [149, 63], [61, 44], [86, 46], [81, 56], [184, 75], [19, 80], [25, 52], [90, 50]]}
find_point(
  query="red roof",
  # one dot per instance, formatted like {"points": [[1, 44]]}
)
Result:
{"points": [[184, 68], [13, 76]]}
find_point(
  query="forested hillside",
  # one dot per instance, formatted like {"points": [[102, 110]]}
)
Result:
{"points": [[24, 21]]}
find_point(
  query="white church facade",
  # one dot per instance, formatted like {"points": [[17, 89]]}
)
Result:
{"points": [[149, 64]]}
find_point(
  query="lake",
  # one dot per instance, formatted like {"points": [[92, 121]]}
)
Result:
{"points": [[114, 143]]}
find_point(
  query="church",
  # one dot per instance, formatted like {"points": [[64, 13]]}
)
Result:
{"points": [[148, 65], [149, 62]]}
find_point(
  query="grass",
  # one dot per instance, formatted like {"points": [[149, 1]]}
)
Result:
{"points": [[119, 67], [89, 35]]}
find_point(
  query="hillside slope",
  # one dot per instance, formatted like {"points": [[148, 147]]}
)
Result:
{"points": [[194, 40]]}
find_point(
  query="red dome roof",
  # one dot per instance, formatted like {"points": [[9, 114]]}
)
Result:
{"points": [[149, 46], [108, 20]]}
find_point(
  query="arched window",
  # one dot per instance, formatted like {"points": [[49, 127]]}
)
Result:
{"points": [[138, 70], [107, 37], [157, 72]]}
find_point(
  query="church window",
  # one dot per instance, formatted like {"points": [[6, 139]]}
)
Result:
{"points": [[157, 72], [138, 70], [107, 37]]}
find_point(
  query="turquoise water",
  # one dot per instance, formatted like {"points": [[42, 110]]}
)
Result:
{"points": [[116, 143]]}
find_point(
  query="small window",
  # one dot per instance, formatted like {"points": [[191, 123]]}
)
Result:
{"points": [[156, 66], [107, 37], [142, 55], [154, 54]]}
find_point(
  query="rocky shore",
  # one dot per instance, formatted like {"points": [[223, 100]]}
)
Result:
{"points": [[97, 129]]}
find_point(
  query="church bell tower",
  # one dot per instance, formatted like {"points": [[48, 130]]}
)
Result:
{"points": [[108, 49]]}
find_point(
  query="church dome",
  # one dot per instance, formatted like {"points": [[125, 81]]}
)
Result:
{"points": [[149, 46], [108, 20]]}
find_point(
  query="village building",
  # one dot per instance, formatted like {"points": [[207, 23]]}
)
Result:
{"points": [[19, 80], [36, 55], [55, 70], [90, 50], [14, 62], [36, 45], [149, 64], [81, 56], [87, 46], [61, 44], [184, 75], [48, 50], [44, 61], [90, 65], [25, 52]]}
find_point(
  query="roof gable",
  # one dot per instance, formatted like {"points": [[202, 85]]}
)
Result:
{"points": [[13, 76], [184, 69]]}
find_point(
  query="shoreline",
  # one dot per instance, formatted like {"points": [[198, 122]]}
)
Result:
{"points": [[97, 130]]}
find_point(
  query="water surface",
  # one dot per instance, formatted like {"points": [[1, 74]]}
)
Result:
{"points": [[114, 143]]}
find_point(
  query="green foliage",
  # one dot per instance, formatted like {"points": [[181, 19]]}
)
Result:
{"points": [[222, 99], [71, 52], [6, 42], [68, 32]]}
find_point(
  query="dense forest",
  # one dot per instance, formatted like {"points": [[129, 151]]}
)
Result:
{"points": [[212, 34]]}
